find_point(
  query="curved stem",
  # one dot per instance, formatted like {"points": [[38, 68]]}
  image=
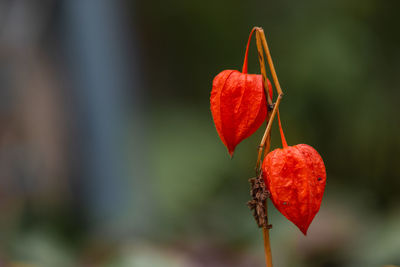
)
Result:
{"points": [[268, 131], [244, 69], [262, 65], [261, 34], [266, 139], [267, 244], [261, 39]]}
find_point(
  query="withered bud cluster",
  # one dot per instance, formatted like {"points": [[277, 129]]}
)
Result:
{"points": [[259, 195]]}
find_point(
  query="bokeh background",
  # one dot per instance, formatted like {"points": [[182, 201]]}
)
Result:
{"points": [[109, 156]]}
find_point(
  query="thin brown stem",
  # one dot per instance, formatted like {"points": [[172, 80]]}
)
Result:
{"points": [[262, 65], [269, 126], [267, 244], [265, 144], [261, 34], [262, 40], [266, 89], [267, 247]]}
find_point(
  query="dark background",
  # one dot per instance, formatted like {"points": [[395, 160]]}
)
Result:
{"points": [[109, 156]]}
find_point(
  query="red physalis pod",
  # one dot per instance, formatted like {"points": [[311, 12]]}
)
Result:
{"points": [[296, 178], [238, 104]]}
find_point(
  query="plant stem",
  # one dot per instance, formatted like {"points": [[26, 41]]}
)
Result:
{"points": [[267, 247], [261, 35], [263, 145], [262, 44], [267, 243], [266, 140]]}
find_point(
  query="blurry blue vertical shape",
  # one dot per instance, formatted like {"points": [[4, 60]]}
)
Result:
{"points": [[97, 42]]}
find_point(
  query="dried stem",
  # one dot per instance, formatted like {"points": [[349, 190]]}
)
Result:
{"points": [[267, 247], [266, 140], [260, 36], [262, 65]]}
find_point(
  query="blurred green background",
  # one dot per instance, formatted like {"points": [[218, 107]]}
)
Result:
{"points": [[109, 156]]}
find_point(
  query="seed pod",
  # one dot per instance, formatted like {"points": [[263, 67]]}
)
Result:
{"points": [[238, 104], [296, 178]]}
